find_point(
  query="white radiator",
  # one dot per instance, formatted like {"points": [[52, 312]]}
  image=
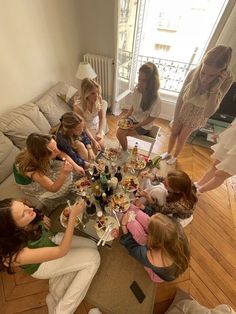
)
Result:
{"points": [[104, 67]]}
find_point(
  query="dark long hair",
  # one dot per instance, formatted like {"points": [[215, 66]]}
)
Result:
{"points": [[152, 85], [13, 238]]}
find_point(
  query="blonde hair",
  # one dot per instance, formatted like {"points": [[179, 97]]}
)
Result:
{"points": [[218, 57], [36, 155], [168, 236], [87, 86], [68, 122]]}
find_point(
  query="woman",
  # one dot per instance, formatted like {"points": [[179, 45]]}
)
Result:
{"points": [[43, 171], [224, 165], [180, 196], [92, 108], [199, 98], [72, 139], [142, 106], [69, 262], [158, 243]]}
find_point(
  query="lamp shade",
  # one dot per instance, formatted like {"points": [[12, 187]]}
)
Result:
{"points": [[85, 71]]}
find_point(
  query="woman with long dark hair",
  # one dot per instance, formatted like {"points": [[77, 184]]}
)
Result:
{"points": [[142, 106], [69, 262]]}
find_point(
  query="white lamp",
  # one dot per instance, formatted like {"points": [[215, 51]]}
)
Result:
{"points": [[85, 71]]}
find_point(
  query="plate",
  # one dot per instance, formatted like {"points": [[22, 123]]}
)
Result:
{"points": [[64, 220], [120, 202], [137, 163], [130, 183], [108, 220], [101, 164], [111, 153], [125, 124], [82, 184]]}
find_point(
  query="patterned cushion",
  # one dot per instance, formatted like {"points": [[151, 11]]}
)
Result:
{"points": [[8, 153], [19, 122], [52, 106]]}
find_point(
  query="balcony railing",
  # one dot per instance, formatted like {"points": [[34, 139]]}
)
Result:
{"points": [[172, 73]]}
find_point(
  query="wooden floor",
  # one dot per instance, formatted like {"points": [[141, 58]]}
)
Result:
{"points": [[211, 277]]}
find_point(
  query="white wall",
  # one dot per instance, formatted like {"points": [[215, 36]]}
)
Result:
{"points": [[39, 45], [97, 27]]}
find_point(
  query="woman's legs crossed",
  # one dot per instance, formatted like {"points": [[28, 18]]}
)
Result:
{"points": [[70, 276]]}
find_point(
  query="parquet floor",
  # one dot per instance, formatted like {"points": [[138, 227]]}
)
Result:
{"points": [[211, 277]]}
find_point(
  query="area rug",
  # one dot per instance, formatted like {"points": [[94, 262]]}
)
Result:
{"points": [[110, 290]]}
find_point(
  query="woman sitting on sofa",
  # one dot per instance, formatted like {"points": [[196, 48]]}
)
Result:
{"points": [[69, 262], [92, 108], [43, 171], [72, 138]]}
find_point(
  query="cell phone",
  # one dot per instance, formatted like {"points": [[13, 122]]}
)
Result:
{"points": [[137, 291]]}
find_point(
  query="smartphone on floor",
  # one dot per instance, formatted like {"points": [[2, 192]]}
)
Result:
{"points": [[137, 291]]}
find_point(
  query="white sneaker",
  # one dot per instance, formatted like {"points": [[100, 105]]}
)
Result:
{"points": [[165, 155], [94, 311], [171, 161], [196, 184]]}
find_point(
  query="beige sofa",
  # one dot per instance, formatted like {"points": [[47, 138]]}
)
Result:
{"points": [[16, 124]]}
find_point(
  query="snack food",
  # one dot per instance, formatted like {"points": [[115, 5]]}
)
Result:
{"points": [[137, 163], [120, 202], [64, 217], [125, 123], [111, 153], [82, 184], [130, 183], [100, 231]]}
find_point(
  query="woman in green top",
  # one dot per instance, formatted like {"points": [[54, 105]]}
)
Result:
{"points": [[43, 171], [69, 262]]}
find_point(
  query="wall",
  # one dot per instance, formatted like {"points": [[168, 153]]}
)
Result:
{"points": [[97, 27], [39, 45]]}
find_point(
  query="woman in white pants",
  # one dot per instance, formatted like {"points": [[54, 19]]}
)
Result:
{"points": [[69, 262]]}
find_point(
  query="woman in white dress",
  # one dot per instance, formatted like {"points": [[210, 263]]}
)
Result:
{"points": [[92, 108], [224, 165]]}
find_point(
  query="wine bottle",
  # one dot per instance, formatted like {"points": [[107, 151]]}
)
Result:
{"points": [[107, 173], [118, 174], [135, 150]]}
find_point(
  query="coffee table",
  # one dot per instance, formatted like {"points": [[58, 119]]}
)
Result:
{"points": [[89, 221]]}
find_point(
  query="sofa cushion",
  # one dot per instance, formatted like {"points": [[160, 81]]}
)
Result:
{"points": [[19, 122], [9, 189], [183, 303], [51, 105], [8, 153]]}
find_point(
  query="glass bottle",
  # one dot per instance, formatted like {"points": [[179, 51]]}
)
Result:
{"points": [[135, 150], [103, 181], [96, 174], [118, 174], [97, 193], [90, 208], [109, 190], [107, 173], [104, 201]]}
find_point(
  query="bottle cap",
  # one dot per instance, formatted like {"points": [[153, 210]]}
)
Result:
{"points": [[99, 214]]}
